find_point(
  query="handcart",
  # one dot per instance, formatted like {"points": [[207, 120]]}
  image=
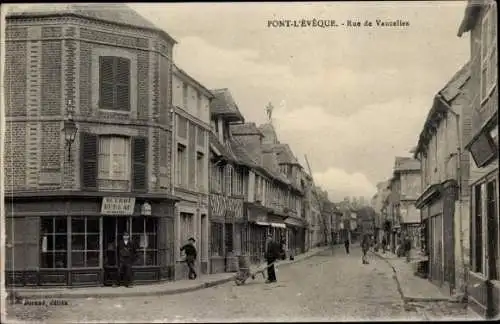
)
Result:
{"points": [[245, 272]]}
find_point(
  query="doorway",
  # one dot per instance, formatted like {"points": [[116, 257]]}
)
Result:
{"points": [[113, 228]]}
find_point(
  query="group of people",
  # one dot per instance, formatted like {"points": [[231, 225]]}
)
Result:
{"points": [[404, 247]]}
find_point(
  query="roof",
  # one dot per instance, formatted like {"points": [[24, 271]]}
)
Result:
{"points": [[269, 132], [245, 129], [443, 101], [116, 13], [406, 164], [224, 104], [242, 156], [283, 152], [471, 15], [193, 81], [221, 148]]}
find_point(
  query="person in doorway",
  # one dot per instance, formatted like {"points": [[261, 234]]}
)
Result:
{"points": [[384, 244], [365, 246], [347, 243], [272, 254], [126, 257], [190, 251]]}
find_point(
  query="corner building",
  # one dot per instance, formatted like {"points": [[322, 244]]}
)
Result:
{"points": [[108, 69]]}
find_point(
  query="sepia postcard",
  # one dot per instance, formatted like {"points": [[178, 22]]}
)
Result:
{"points": [[249, 162]]}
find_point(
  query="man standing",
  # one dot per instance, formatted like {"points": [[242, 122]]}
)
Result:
{"points": [[190, 251], [407, 247], [126, 257], [272, 254], [346, 245]]}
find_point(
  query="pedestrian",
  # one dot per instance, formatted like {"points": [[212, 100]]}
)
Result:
{"points": [[384, 244], [190, 251], [365, 246], [272, 254], [407, 247], [346, 245], [126, 257]]}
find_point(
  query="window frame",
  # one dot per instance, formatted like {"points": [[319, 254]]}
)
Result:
{"points": [[85, 249], [115, 84], [181, 165], [54, 234], [127, 157], [144, 251], [487, 56], [200, 171]]}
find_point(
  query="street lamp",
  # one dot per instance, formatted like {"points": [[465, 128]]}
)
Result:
{"points": [[69, 130]]}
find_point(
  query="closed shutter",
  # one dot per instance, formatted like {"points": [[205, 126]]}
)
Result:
{"points": [[106, 82], [139, 163], [88, 153], [122, 83]]}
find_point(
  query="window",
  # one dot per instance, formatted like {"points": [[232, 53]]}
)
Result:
{"points": [[85, 242], [201, 137], [489, 60], [114, 83], [187, 226], [198, 104], [182, 127], [229, 180], [144, 234], [493, 218], [216, 239], [184, 95], [215, 181], [54, 242], [114, 162], [478, 231], [181, 165], [200, 171]]}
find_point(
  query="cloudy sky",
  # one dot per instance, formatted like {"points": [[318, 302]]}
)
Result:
{"points": [[351, 99]]}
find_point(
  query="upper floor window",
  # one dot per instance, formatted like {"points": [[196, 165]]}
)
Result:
{"points": [[181, 165], [200, 171], [198, 104], [201, 137], [229, 180], [113, 162], [184, 95], [489, 60], [114, 83]]}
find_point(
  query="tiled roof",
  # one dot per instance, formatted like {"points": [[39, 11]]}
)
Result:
{"points": [[456, 84], [224, 104], [471, 16], [245, 129], [119, 13], [242, 156], [406, 164], [283, 152], [223, 150], [269, 133]]}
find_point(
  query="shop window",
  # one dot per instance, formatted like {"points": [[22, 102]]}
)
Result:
{"points": [[85, 242], [229, 238], [54, 245], [144, 234], [478, 231], [216, 239], [491, 210]]}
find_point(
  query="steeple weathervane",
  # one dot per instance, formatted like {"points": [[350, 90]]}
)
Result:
{"points": [[269, 111]]}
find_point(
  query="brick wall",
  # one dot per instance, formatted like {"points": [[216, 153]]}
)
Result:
{"points": [[43, 75]]}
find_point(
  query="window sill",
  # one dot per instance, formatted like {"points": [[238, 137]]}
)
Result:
{"points": [[115, 111]]}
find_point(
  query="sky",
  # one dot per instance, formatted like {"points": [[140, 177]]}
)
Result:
{"points": [[351, 99]]}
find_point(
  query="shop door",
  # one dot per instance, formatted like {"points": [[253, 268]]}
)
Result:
{"points": [[113, 229], [228, 245]]}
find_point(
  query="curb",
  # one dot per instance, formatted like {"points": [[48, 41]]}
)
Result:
{"points": [[407, 299], [97, 295]]}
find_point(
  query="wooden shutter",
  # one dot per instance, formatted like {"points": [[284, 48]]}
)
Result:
{"points": [[106, 82], [88, 167], [139, 163], [122, 84]]}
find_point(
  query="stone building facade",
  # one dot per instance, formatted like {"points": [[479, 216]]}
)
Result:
{"points": [[191, 109], [109, 70]]}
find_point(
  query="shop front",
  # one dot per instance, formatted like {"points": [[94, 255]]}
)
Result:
{"points": [[295, 234], [257, 228], [437, 205], [71, 240], [484, 273]]}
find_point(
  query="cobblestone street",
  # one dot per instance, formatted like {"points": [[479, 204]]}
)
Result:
{"points": [[327, 287]]}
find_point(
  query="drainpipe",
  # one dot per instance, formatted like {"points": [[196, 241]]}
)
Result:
{"points": [[459, 180]]}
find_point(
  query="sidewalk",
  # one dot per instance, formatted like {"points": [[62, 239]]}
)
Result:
{"points": [[164, 288], [411, 287]]}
